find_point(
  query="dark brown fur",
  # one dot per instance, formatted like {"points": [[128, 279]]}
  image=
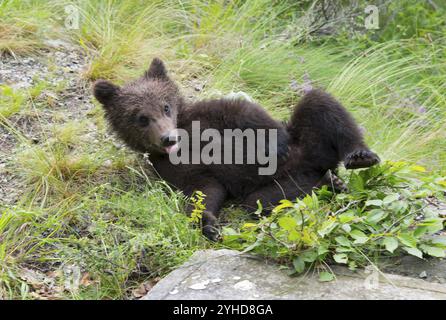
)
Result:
{"points": [[319, 135]]}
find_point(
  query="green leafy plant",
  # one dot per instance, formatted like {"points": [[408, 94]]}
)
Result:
{"points": [[389, 211], [199, 207]]}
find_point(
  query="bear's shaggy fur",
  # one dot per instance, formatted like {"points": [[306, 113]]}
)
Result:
{"points": [[319, 135]]}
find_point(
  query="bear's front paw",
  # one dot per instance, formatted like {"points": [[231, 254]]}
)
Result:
{"points": [[361, 159], [211, 232]]}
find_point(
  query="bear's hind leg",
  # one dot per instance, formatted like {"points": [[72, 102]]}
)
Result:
{"points": [[327, 134], [287, 187]]}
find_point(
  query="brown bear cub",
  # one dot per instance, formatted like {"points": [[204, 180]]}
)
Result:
{"points": [[147, 113]]}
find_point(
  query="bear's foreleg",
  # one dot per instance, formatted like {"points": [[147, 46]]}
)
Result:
{"points": [[215, 195]]}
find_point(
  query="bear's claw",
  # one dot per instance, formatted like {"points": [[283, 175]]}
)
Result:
{"points": [[211, 232], [338, 184], [335, 183], [361, 159]]}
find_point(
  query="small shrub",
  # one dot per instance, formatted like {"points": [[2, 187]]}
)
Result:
{"points": [[386, 213]]}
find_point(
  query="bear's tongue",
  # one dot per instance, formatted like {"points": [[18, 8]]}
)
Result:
{"points": [[172, 148]]}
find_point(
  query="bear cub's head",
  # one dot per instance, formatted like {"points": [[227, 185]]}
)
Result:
{"points": [[143, 112]]}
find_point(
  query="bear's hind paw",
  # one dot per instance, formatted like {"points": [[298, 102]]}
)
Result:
{"points": [[361, 159]]}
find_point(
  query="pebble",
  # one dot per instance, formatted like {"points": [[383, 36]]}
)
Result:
{"points": [[200, 285], [174, 291], [108, 163], [244, 285]]}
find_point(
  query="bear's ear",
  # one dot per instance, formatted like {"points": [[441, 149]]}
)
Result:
{"points": [[104, 91], [156, 70]]}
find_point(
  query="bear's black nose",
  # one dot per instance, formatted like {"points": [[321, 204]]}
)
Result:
{"points": [[168, 140]]}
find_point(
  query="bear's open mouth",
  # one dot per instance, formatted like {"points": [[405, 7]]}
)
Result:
{"points": [[172, 148]]}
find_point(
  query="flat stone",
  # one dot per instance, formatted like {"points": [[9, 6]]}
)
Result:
{"points": [[226, 275]]}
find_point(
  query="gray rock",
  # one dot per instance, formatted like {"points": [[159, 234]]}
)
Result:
{"points": [[432, 270], [227, 274]]}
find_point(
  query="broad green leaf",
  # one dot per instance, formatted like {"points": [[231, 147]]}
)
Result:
{"points": [[293, 235], [391, 244], [419, 231], [391, 198], [423, 193], [356, 183], [359, 236], [299, 264], [434, 225], [341, 196], [309, 256], [311, 201], [439, 240], [376, 203], [434, 251], [408, 240], [324, 193], [283, 204], [323, 248], [415, 252], [287, 223], [344, 249], [376, 215], [340, 258], [405, 193], [227, 231], [343, 241], [327, 227], [398, 206], [326, 276], [347, 217]]}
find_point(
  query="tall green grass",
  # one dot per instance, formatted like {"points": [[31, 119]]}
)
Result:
{"points": [[395, 90], [117, 237], [24, 25]]}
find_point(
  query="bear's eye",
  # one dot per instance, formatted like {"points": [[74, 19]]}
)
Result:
{"points": [[167, 109], [143, 121]]}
